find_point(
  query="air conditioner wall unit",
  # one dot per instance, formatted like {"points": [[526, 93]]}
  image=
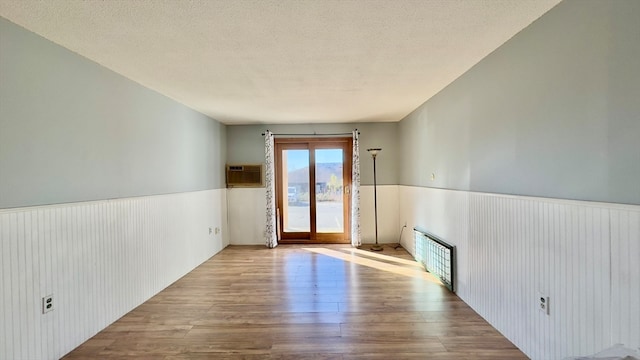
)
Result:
{"points": [[245, 176]]}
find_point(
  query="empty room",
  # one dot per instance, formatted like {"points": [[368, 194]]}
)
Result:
{"points": [[339, 179]]}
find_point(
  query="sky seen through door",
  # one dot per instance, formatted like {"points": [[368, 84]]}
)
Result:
{"points": [[300, 159]]}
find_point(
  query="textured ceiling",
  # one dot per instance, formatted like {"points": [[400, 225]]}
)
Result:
{"points": [[284, 61]]}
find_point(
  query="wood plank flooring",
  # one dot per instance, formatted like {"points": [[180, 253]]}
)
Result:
{"points": [[302, 302]]}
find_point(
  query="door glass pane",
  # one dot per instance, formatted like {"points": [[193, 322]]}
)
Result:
{"points": [[329, 209], [295, 184]]}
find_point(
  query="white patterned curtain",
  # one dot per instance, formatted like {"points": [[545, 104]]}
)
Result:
{"points": [[356, 240], [270, 235]]}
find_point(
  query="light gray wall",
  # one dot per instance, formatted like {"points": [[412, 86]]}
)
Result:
{"points": [[72, 130], [554, 112], [245, 145]]}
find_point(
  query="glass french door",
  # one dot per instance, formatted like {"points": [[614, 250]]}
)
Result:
{"points": [[313, 179]]}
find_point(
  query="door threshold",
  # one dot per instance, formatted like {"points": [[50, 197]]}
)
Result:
{"points": [[312, 242]]}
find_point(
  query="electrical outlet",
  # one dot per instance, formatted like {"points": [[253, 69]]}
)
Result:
{"points": [[543, 304], [210, 230], [47, 304], [217, 230]]}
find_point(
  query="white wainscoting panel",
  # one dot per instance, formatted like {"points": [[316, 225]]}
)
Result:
{"points": [[247, 215], [523, 247], [388, 212], [625, 276], [442, 213], [584, 256], [247, 219], [99, 260]]}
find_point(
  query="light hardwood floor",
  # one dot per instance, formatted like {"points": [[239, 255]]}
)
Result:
{"points": [[302, 302]]}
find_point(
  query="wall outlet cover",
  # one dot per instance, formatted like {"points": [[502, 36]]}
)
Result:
{"points": [[542, 303], [47, 304]]}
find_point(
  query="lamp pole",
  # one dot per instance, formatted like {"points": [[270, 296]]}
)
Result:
{"points": [[374, 154]]}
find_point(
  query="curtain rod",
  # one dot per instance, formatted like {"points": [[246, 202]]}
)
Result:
{"points": [[314, 134]]}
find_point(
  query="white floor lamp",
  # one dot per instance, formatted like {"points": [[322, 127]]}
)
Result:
{"points": [[374, 153]]}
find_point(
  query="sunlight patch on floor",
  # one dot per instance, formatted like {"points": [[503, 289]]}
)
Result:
{"points": [[354, 258], [384, 257]]}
